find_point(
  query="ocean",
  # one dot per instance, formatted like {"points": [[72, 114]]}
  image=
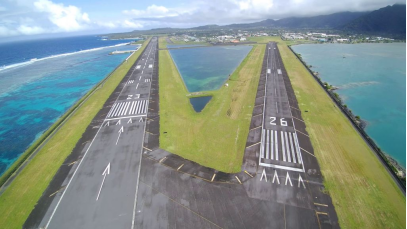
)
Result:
{"points": [[41, 79], [371, 80], [206, 69]]}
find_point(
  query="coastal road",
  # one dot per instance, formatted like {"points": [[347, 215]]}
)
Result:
{"points": [[100, 190]]}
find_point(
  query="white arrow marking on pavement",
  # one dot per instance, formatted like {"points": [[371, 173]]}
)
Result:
{"points": [[130, 121], [287, 178], [141, 120], [263, 174], [107, 123], [120, 132], [300, 180], [106, 172], [275, 176], [118, 123]]}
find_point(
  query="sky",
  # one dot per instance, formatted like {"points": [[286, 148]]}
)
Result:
{"points": [[29, 18]]}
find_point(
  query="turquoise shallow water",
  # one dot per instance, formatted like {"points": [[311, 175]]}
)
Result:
{"points": [[372, 82], [34, 96], [206, 69], [199, 103]]}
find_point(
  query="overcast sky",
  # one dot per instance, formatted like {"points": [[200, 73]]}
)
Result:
{"points": [[32, 17]]}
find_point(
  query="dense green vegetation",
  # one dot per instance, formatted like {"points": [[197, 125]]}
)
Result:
{"points": [[330, 21], [18, 200], [216, 136], [387, 20]]}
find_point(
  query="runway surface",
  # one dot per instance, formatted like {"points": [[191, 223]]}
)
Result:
{"points": [[122, 178], [282, 184], [100, 188]]}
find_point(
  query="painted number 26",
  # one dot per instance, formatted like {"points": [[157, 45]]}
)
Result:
{"points": [[282, 121]]}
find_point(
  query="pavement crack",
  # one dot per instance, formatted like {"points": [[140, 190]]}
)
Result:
{"points": [[62, 188]]}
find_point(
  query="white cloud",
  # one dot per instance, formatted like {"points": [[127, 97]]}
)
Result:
{"points": [[66, 18], [27, 17], [128, 24], [151, 11], [132, 25], [201, 12], [6, 32], [109, 24], [30, 17], [30, 30], [255, 5]]}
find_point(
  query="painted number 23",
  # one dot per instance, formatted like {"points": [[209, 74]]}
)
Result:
{"points": [[137, 96], [282, 121]]}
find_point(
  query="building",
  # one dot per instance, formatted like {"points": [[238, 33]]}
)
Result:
{"points": [[342, 40]]}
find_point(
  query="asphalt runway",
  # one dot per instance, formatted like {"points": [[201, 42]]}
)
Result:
{"points": [[279, 150], [280, 185], [100, 188]]}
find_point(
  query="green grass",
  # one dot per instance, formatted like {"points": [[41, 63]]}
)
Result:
{"points": [[162, 42], [264, 39], [139, 42], [216, 136], [18, 200], [362, 191]]}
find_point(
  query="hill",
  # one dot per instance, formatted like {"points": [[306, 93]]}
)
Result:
{"points": [[330, 21], [388, 20]]}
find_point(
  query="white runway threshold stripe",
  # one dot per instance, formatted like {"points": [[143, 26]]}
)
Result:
{"points": [[280, 145], [128, 108]]}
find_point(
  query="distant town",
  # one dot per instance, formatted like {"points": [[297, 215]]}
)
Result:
{"points": [[244, 36]]}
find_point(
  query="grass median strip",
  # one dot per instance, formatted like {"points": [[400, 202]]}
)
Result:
{"points": [[215, 137], [18, 200], [162, 43], [362, 191]]}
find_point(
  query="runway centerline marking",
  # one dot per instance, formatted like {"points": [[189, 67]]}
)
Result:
{"points": [[104, 174], [120, 132]]}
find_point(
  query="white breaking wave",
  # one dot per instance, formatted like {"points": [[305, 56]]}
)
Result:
{"points": [[56, 56]]}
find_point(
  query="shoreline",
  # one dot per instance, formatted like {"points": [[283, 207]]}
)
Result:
{"points": [[19, 64], [18, 165], [397, 171], [55, 157]]}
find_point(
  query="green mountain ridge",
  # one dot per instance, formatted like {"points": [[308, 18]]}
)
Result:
{"points": [[387, 20], [330, 21]]}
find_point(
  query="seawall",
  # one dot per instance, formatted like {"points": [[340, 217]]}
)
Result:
{"points": [[380, 155]]}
